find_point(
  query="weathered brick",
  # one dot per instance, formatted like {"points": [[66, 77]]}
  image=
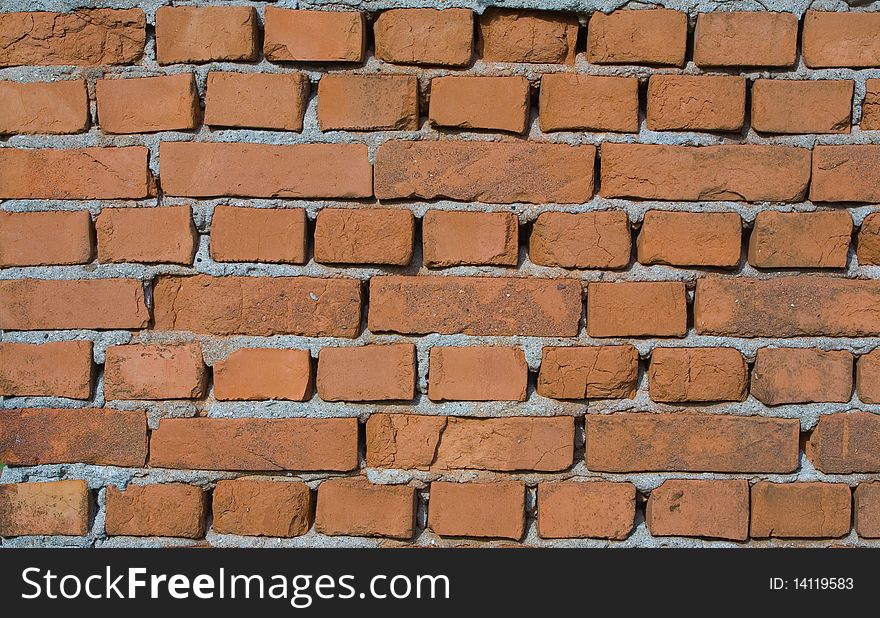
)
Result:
{"points": [[58, 507], [800, 510], [44, 107], [455, 238], [54, 369], [256, 100], [488, 510], [404, 441], [745, 39], [750, 173], [364, 236], [99, 436], [150, 235], [595, 372], [800, 239], [712, 509], [148, 104], [189, 34], [257, 305], [846, 442], [169, 509], [264, 373], [653, 37], [697, 374], [367, 373], [581, 240], [425, 36], [690, 239], [476, 102], [278, 235], [195, 169], [160, 371], [867, 510], [868, 377], [528, 36], [307, 444], [796, 106], [475, 306], [871, 106], [868, 244], [43, 238], [841, 39], [262, 508], [356, 507], [576, 102], [637, 309], [314, 36], [586, 510], [682, 442], [696, 102], [477, 373], [368, 102], [846, 173], [501, 172]]}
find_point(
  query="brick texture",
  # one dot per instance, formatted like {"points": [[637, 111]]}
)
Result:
{"points": [[44, 238], [368, 103], [425, 36], [451, 238], [800, 239], [583, 240], [800, 510], [148, 104], [713, 509], [795, 375], [276, 235], [597, 372], [585, 510], [367, 373], [364, 236], [696, 103], [690, 239], [357, 508], [492, 103], [477, 374], [151, 235], [478, 509], [575, 102], [262, 508], [155, 372], [745, 39], [697, 374], [171, 509], [528, 36], [656, 37], [60, 507], [60, 369], [44, 107], [264, 373], [256, 101]]}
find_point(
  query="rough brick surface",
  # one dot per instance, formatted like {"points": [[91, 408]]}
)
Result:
{"points": [[264, 373], [190, 34], [574, 102], [148, 104], [582, 240], [800, 510], [43, 238], [364, 236], [690, 239], [256, 101], [586, 510], [636, 309], [866, 503], [425, 36], [60, 507], [151, 235], [491, 103], [171, 509], [60, 369], [262, 508], [868, 245], [868, 377], [452, 238], [714, 509], [656, 37], [842, 443], [696, 102], [800, 239], [473, 373], [871, 105], [846, 173], [745, 39], [597, 372], [314, 36], [528, 36], [796, 106], [357, 508], [478, 509], [697, 374], [368, 103], [278, 235], [44, 107], [155, 372], [797, 375], [841, 39], [367, 373]]}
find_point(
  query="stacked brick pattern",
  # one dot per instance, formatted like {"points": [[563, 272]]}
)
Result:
{"points": [[291, 276]]}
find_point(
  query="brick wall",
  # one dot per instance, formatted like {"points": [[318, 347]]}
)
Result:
{"points": [[279, 274]]}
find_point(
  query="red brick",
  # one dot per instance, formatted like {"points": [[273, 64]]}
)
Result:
{"points": [[841, 39], [306, 444], [581, 240], [800, 510], [868, 377], [188, 34], [151, 235], [278, 235], [256, 100], [690, 239], [264, 373], [871, 106], [99, 436], [314, 36], [528, 36], [786, 307], [262, 508], [576, 102], [404, 441], [501, 173], [55, 369], [148, 104], [44, 238], [475, 306], [96, 304], [44, 107], [696, 102], [195, 169], [425, 36], [81, 37], [844, 443], [455, 238], [59, 507], [712, 509], [637, 309], [800, 239], [868, 244], [682, 442], [746, 39], [367, 373], [169, 509], [488, 510], [368, 102], [259, 306], [75, 174], [162, 371], [657, 37], [586, 510], [364, 236], [742, 172], [355, 507], [476, 373], [475, 102], [809, 106], [596, 372], [846, 173], [697, 374], [867, 510]]}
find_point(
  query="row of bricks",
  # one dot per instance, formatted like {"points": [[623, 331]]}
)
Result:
{"points": [[469, 171], [440, 37], [568, 102], [474, 373], [719, 509], [779, 307], [840, 443], [592, 240]]}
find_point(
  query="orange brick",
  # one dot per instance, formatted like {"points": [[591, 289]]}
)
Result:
{"points": [[407, 441], [800, 375], [148, 104], [745, 39], [169, 509], [306, 444], [810, 106], [867, 507], [596, 372], [367, 373], [259, 235], [575, 102], [581, 240], [528, 36], [712, 509], [800, 510], [262, 508], [697, 374], [800, 239], [314, 36], [256, 100], [364, 236], [43, 238], [868, 377], [195, 169], [488, 510], [55, 369], [96, 304], [868, 244], [637, 309], [455, 238], [653, 37], [355, 507], [586, 510], [59, 507], [473, 102], [368, 102], [99, 436], [844, 443], [163, 371], [690, 238], [150, 235], [871, 106], [696, 102], [475, 373], [846, 173], [425, 36], [841, 39], [188, 34], [44, 107], [264, 373]]}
